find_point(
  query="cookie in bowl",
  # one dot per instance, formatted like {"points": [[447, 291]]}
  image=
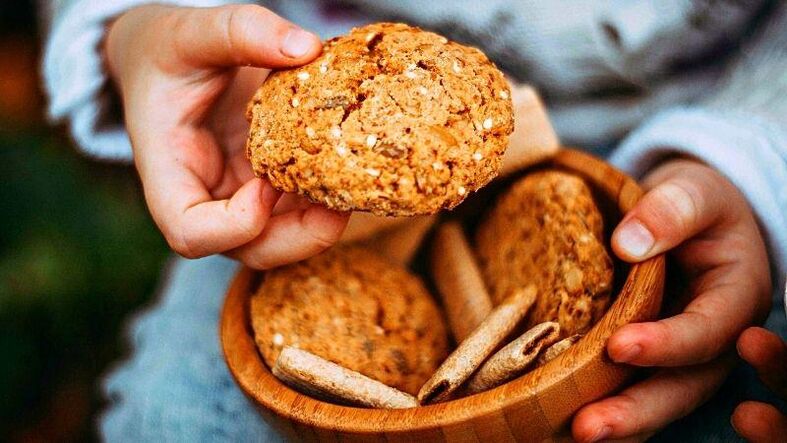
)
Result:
{"points": [[547, 230], [353, 308], [389, 119]]}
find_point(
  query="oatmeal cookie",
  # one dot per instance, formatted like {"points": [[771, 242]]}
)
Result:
{"points": [[546, 230], [389, 119], [356, 309]]}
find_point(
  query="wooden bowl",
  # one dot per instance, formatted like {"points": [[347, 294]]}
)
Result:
{"points": [[534, 407]]}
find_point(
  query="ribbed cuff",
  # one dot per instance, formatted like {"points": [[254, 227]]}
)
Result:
{"points": [[75, 79], [751, 152]]}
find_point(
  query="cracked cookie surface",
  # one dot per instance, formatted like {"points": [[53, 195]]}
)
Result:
{"points": [[354, 308], [389, 119], [547, 230]]}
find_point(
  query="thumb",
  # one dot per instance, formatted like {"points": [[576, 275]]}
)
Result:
{"points": [[673, 211], [240, 35]]}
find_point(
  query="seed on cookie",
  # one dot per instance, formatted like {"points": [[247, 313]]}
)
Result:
{"points": [[373, 172], [277, 340], [303, 76], [310, 132], [370, 36], [488, 123], [504, 95], [371, 140], [477, 156], [336, 132]]}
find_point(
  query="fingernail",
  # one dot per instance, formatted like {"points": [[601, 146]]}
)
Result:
{"points": [[628, 354], [601, 434], [634, 238], [297, 43]]}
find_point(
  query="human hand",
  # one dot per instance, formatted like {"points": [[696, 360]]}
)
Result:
{"points": [[704, 221], [185, 76], [767, 353]]}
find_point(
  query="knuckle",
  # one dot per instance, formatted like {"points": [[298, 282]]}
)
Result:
{"points": [[703, 342], [232, 28], [178, 23], [181, 243], [665, 333], [248, 223], [324, 240], [677, 203], [240, 21], [253, 261]]}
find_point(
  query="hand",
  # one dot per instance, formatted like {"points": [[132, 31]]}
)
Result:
{"points": [[184, 98], [767, 353], [704, 221]]}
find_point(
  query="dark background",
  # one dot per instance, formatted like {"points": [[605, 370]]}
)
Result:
{"points": [[78, 253]]}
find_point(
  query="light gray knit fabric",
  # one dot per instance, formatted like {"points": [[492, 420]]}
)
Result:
{"points": [[703, 77]]}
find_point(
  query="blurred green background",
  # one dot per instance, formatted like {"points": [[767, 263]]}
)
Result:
{"points": [[78, 253]]}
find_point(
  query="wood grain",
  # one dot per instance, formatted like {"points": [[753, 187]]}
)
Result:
{"points": [[534, 407]]}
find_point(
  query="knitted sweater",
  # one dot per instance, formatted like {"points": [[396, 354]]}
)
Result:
{"points": [[652, 77]]}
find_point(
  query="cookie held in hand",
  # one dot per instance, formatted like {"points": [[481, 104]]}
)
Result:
{"points": [[389, 119], [353, 308]]}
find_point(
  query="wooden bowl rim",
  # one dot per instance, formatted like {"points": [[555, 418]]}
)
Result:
{"points": [[257, 382]]}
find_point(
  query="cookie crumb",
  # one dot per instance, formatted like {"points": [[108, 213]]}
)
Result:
{"points": [[323, 68], [456, 67], [371, 140], [303, 76], [488, 123], [373, 172], [477, 156], [437, 166], [504, 95], [295, 102], [278, 340], [336, 132], [310, 132], [341, 149], [461, 190]]}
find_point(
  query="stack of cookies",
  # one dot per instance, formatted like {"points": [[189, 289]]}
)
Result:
{"points": [[395, 121]]}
